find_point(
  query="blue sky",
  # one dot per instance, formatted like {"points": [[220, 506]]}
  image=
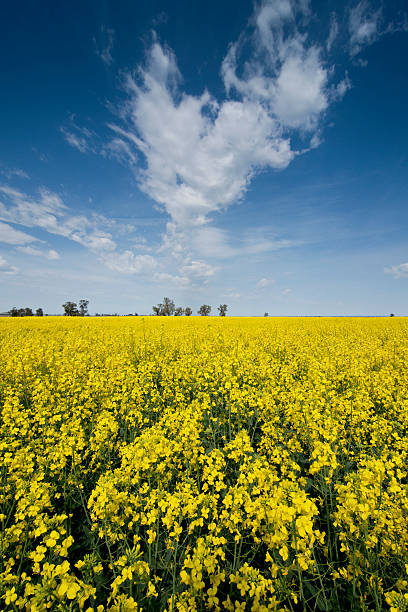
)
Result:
{"points": [[239, 153]]}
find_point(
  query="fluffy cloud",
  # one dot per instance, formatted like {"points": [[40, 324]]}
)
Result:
{"points": [[200, 154], [6, 268], [286, 76]]}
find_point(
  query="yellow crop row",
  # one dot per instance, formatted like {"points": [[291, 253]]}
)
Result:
{"points": [[157, 463]]}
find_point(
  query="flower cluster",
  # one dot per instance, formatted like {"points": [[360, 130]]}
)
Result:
{"points": [[203, 464]]}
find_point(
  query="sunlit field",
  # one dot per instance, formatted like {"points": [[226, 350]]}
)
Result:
{"points": [[203, 464]]}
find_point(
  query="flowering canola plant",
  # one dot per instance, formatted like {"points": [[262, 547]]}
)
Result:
{"points": [[196, 464]]}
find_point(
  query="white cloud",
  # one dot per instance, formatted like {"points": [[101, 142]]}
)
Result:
{"points": [[49, 213], [264, 282], [399, 271], [9, 235], [121, 150], [363, 26], [6, 268], [200, 153], [48, 254], [286, 74]]}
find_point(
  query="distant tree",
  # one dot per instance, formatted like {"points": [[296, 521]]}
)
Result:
{"points": [[204, 310], [392, 315], [179, 311], [168, 307], [83, 308], [266, 314], [20, 312], [222, 308], [70, 309], [187, 311], [39, 312]]}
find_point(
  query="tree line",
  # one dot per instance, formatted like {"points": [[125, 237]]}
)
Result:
{"points": [[168, 308], [25, 312]]}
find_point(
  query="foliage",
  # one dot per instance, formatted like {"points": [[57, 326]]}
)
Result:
{"points": [[248, 464], [83, 307], [187, 311], [204, 310], [222, 309], [20, 312], [70, 309], [165, 309]]}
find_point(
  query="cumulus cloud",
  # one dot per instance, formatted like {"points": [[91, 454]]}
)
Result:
{"points": [[201, 154], [47, 253], [6, 268], [286, 74]]}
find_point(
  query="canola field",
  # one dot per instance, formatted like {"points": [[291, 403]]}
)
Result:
{"points": [[203, 464]]}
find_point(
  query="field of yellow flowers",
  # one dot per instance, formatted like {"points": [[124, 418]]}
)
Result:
{"points": [[183, 464]]}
